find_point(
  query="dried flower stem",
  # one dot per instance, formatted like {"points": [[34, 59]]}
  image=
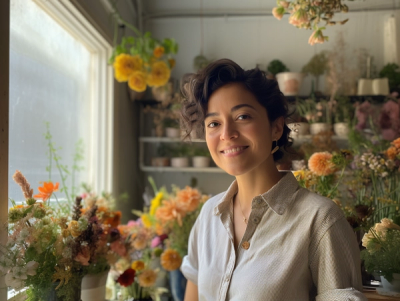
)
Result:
{"points": [[20, 179]]}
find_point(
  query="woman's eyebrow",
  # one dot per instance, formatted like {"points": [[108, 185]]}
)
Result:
{"points": [[235, 108]]}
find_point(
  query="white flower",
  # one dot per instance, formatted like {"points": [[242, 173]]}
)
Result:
{"points": [[13, 282], [19, 272], [31, 267]]}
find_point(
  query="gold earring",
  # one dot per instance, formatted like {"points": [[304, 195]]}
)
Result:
{"points": [[276, 148]]}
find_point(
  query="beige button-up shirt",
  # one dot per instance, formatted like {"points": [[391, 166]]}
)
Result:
{"points": [[297, 246]]}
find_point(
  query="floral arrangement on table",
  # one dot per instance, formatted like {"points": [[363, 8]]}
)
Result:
{"points": [[322, 176], [135, 267], [382, 243], [309, 14], [47, 251], [142, 60], [173, 214]]}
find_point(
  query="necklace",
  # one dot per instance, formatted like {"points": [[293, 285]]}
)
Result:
{"points": [[241, 210]]}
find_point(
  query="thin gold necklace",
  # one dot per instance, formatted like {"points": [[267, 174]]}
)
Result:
{"points": [[241, 210]]}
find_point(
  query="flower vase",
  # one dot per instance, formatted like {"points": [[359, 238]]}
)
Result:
{"points": [[390, 288], [177, 284], [341, 129], [94, 287], [316, 128]]}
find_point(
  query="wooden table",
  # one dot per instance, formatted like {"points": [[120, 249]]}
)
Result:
{"points": [[374, 296]]}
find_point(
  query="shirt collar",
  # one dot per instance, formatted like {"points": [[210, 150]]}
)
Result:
{"points": [[278, 198]]}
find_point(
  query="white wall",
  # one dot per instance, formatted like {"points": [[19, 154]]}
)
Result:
{"points": [[253, 40]]}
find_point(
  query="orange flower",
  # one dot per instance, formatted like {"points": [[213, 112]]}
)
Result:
{"points": [[170, 260], [317, 37], [114, 220], [396, 143], [170, 210], [171, 63], [391, 152], [147, 278], [137, 265], [158, 51], [188, 199], [140, 241], [46, 190], [159, 229], [321, 164]]}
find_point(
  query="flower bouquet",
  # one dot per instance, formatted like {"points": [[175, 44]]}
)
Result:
{"points": [[382, 244], [142, 60], [47, 251]]}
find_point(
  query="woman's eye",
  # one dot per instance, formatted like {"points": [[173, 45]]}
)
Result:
{"points": [[212, 124], [241, 117]]}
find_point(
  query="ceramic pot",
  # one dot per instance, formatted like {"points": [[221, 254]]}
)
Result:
{"points": [[290, 82], [298, 164], [341, 129], [178, 285], [201, 161], [299, 129], [316, 128], [180, 162], [394, 285], [172, 132], [160, 161], [94, 287]]}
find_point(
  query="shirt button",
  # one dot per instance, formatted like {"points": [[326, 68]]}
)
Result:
{"points": [[227, 279], [256, 220], [246, 245]]}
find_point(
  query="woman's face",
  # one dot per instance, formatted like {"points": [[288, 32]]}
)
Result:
{"points": [[238, 132]]}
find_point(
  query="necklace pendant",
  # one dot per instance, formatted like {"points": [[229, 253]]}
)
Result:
{"points": [[245, 220]]}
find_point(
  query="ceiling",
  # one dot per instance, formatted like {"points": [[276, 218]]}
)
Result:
{"points": [[192, 8]]}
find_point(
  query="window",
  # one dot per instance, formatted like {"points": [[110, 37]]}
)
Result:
{"points": [[58, 74]]}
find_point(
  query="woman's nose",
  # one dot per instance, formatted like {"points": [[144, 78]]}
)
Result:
{"points": [[229, 132]]}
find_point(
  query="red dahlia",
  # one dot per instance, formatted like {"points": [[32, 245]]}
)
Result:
{"points": [[127, 277]]}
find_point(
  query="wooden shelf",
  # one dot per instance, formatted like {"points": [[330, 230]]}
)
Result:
{"points": [[181, 169], [167, 140]]}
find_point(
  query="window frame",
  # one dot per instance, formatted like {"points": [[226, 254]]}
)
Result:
{"points": [[100, 162]]}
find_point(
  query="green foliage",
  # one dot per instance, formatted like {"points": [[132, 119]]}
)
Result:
{"points": [[317, 64], [392, 72], [384, 254], [276, 66], [164, 150], [344, 110], [181, 150], [171, 123]]}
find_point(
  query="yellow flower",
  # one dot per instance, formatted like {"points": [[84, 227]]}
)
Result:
{"points": [[171, 63], [159, 75], [155, 203], [73, 227], [137, 81], [158, 51], [147, 278], [299, 174], [137, 265], [125, 65], [146, 220], [171, 260]]}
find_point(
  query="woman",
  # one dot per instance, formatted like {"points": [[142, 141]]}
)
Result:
{"points": [[265, 238]]}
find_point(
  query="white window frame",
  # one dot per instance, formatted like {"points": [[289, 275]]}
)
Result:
{"points": [[99, 164]]}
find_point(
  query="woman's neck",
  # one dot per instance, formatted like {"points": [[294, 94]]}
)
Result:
{"points": [[256, 182]]}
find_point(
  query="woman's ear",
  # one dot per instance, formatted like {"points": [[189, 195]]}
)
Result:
{"points": [[277, 128]]}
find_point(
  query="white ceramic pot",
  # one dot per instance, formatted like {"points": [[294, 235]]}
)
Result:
{"points": [[160, 161], [341, 129], [172, 132], [299, 129], [201, 161], [316, 128], [394, 285], [180, 162], [290, 82], [94, 287], [298, 164]]}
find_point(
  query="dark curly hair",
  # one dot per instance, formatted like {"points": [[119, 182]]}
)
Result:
{"points": [[197, 88]]}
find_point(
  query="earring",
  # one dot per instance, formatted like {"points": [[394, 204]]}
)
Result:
{"points": [[275, 148]]}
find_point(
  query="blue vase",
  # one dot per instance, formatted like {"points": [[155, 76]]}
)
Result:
{"points": [[177, 283]]}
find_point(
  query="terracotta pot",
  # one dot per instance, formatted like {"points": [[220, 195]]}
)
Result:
{"points": [[159, 161], [290, 82]]}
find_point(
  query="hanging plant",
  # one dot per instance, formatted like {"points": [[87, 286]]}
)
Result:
{"points": [[142, 60], [309, 14]]}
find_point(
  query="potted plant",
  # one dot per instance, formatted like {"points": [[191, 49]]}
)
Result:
{"points": [[163, 152], [381, 255], [275, 67], [392, 72], [318, 114], [343, 112], [316, 67], [171, 126], [180, 155], [201, 157]]}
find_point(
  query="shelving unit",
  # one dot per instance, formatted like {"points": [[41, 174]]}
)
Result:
{"points": [[308, 138]]}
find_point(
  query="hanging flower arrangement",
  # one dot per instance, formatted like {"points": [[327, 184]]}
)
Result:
{"points": [[309, 14], [142, 60]]}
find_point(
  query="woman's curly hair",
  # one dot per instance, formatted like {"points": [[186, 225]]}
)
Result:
{"points": [[197, 88]]}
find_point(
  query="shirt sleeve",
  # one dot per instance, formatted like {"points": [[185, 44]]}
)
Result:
{"points": [[336, 265], [190, 265]]}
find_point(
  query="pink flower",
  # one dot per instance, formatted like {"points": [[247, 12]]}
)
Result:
{"points": [[83, 257], [132, 223], [299, 18], [278, 12], [389, 120], [118, 247], [317, 37], [155, 242]]}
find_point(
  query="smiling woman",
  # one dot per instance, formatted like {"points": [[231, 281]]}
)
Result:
{"points": [[265, 223]]}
